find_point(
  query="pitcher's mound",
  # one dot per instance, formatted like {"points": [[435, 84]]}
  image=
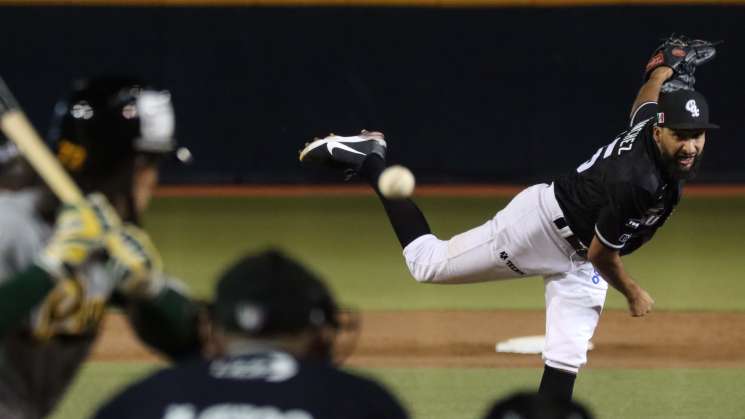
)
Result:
{"points": [[525, 345]]}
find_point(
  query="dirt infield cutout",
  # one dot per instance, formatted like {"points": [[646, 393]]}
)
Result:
{"points": [[467, 339]]}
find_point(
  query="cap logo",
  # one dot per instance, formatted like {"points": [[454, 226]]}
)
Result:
{"points": [[71, 155], [660, 118], [82, 110], [692, 107], [249, 317]]}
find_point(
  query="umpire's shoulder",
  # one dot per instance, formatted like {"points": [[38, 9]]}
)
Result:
{"points": [[368, 393], [137, 399], [349, 378]]}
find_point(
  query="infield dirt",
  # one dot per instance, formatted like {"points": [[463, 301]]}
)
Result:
{"points": [[468, 338]]}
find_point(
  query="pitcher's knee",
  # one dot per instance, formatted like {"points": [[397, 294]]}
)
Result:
{"points": [[426, 258], [425, 273]]}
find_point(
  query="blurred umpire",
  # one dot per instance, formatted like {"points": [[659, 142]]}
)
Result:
{"points": [[276, 325], [62, 265]]}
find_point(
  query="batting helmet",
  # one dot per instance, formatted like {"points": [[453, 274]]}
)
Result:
{"points": [[103, 123]]}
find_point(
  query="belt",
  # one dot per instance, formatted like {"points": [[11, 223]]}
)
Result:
{"points": [[567, 234]]}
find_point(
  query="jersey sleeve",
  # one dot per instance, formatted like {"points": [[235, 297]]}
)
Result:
{"points": [[645, 111], [168, 322], [618, 222], [18, 245]]}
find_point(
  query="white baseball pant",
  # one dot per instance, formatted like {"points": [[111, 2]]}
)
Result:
{"points": [[523, 240]]}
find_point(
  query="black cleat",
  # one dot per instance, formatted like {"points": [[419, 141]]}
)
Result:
{"points": [[344, 152]]}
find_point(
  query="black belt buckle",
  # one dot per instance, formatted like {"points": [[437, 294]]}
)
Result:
{"points": [[577, 245], [573, 241]]}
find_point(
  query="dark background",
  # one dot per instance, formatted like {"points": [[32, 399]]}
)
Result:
{"points": [[509, 95]]}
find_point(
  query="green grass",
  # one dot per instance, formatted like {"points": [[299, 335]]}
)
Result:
{"points": [[610, 394], [431, 393], [690, 265]]}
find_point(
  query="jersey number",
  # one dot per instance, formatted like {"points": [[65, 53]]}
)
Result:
{"points": [[626, 142], [608, 151]]}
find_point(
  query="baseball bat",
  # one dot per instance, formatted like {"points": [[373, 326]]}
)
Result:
{"points": [[18, 129]]}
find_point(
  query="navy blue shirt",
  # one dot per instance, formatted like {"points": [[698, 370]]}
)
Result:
{"points": [[268, 385], [622, 194]]}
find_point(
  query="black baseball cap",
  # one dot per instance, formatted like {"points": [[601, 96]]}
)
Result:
{"points": [[531, 405], [269, 293], [684, 109]]}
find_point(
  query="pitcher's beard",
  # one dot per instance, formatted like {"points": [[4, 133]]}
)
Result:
{"points": [[671, 164]]}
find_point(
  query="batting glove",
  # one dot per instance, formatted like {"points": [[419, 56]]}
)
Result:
{"points": [[78, 233], [134, 262]]}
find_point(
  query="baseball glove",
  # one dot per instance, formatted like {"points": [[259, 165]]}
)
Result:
{"points": [[682, 55]]}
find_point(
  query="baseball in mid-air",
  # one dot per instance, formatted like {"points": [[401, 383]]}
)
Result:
{"points": [[396, 182]]}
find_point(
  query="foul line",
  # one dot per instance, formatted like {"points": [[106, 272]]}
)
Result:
{"points": [[475, 191]]}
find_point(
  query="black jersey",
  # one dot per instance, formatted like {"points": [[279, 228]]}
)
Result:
{"points": [[267, 385], [622, 194]]}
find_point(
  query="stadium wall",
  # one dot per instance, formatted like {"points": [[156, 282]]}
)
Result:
{"points": [[465, 93]]}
